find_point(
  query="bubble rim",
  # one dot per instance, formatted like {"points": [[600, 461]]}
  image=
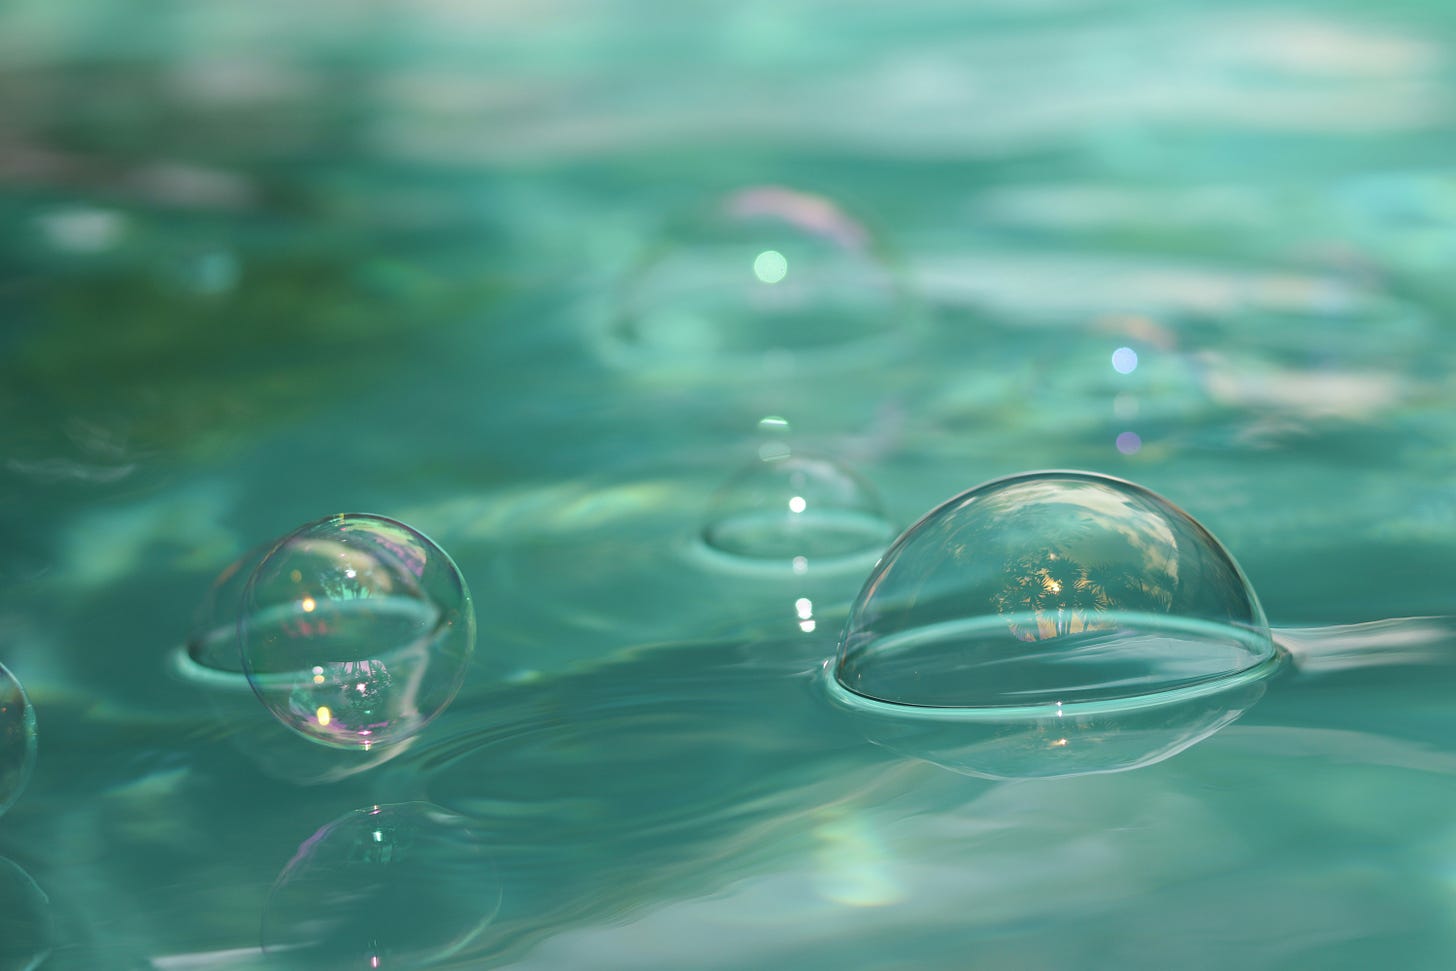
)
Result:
{"points": [[848, 699], [1259, 669]]}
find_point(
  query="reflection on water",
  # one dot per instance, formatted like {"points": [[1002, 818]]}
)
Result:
{"points": [[778, 813], [1057, 745], [395, 886], [26, 934], [769, 277]]}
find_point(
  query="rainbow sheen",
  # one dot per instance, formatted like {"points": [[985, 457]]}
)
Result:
{"points": [[1049, 590], [17, 738], [355, 631]]}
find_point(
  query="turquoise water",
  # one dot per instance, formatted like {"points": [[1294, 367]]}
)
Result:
{"points": [[461, 266]]}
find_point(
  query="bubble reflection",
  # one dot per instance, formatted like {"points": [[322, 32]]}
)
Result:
{"points": [[390, 886], [1058, 744]]}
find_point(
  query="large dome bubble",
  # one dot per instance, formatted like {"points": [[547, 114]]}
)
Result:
{"points": [[797, 511], [1052, 591]]}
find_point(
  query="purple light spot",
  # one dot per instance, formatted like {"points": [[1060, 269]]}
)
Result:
{"points": [[1128, 443]]}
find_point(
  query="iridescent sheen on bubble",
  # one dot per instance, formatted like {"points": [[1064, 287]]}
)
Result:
{"points": [[17, 738], [356, 630], [1051, 589]]}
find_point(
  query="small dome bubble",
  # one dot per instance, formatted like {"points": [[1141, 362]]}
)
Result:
{"points": [[798, 512], [355, 631], [1051, 591], [17, 739], [767, 268]]}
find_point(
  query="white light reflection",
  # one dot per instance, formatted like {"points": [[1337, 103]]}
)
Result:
{"points": [[773, 451], [797, 504], [773, 423], [804, 607], [1124, 360], [82, 230], [770, 266]]}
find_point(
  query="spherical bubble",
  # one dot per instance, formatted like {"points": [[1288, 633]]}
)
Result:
{"points": [[26, 923], [211, 664], [797, 513], [1050, 593], [355, 631], [17, 738], [766, 269], [395, 886]]}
